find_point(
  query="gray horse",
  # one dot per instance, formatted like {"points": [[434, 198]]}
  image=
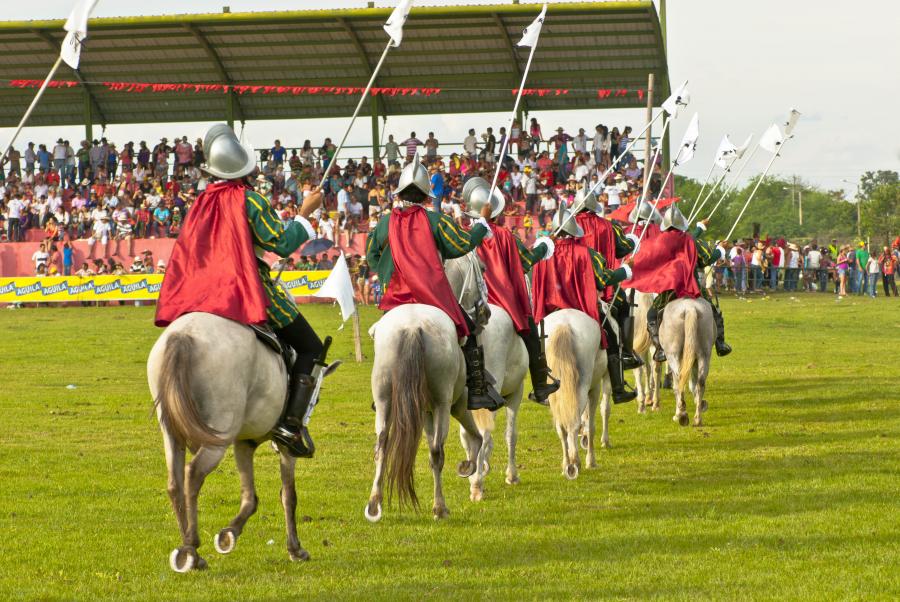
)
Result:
{"points": [[215, 385], [648, 377], [687, 333], [505, 358]]}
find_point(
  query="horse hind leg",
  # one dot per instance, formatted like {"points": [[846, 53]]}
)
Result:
{"points": [[289, 501], [484, 421], [699, 391], [470, 436], [226, 539], [439, 428], [175, 455], [512, 436], [205, 461], [605, 411], [373, 511]]}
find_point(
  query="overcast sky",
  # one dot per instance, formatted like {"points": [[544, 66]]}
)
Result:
{"points": [[748, 63]]}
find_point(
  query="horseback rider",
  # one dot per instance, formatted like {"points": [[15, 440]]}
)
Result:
{"points": [[407, 249], [506, 261], [217, 267], [703, 256], [609, 240], [571, 279]]}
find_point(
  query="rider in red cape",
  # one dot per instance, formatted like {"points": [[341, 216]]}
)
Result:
{"points": [[506, 260], [407, 249], [571, 279], [606, 238], [215, 269], [668, 264]]}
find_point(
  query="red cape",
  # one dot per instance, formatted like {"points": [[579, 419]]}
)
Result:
{"points": [[565, 281], [600, 236], [666, 262], [213, 268], [418, 271], [624, 211], [504, 276]]}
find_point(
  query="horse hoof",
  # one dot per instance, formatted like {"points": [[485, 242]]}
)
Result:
{"points": [[683, 419], [465, 469], [572, 472], [703, 405], [476, 495], [300, 555], [512, 479], [583, 441], [441, 513], [698, 422], [224, 540], [183, 559], [373, 514], [605, 445]]}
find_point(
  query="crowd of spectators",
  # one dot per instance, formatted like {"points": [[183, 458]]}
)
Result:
{"points": [[111, 196], [763, 266]]}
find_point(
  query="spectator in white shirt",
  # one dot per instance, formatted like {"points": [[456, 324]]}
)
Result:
{"points": [[40, 257]]}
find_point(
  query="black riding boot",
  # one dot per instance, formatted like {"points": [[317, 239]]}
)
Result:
{"points": [[537, 367], [630, 361], [722, 348], [653, 319], [482, 395], [617, 378], [290, 431]]}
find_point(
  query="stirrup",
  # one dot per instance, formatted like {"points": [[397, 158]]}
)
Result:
{"points": [[487, 400], [722, 348], [624, 395], [631, 361], [298, 444], [547, 389], [659, 355]]}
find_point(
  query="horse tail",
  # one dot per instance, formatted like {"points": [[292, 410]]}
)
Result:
{"points": [[178, 408], [641, 341], [410, 398], [689, 349], [564, 364]]}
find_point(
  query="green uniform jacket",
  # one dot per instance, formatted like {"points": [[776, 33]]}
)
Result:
{"points": [[529, 257], [451, 241], [270, 234], [603, 276]]}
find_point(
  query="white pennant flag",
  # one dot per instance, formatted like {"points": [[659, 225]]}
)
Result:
{"points": [[743, 148], [679, 98], [793, 117], [533, 32], [772, 139], [689, 142], [726, 152], [394, 25], [76, 26], [339, 287]]}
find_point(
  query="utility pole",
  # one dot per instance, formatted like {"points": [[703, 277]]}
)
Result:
{"points": [[858, 213]]}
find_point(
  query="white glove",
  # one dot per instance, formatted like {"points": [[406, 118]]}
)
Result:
{"points": [[628, 272], [546, 240], [637, 242], [306, 226], [702, 226]]}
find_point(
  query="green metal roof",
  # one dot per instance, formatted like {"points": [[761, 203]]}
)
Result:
{"points": [[468, 52]]}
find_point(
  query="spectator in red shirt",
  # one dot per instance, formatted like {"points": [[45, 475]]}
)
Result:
{"points": [[411, 144], [888, 263]]}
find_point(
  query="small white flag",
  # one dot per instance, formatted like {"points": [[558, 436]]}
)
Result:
{"points": [[339, 287], [726, 153], [679, 98], [394, 25], [772, 139], [689, 142], [791, 122], [743, 148], [76, 26], [533, 32]]}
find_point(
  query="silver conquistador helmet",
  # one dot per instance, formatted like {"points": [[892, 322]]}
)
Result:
{"points": [[564, 222], [645, 212], [674, 219], [226, 157], [585, 200], [415, 175], [475, 195]]}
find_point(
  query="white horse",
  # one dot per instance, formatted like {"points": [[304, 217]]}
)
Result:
{"points": [[216, 385], [418, 381], [576, 359], [505, 358], [647, 377], [687, 333]]}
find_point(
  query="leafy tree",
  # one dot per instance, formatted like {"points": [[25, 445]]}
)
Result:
{"points": [[873, 179], [880, 212]]}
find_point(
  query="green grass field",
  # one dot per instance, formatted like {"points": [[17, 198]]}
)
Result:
{"points": [[789, 491]]}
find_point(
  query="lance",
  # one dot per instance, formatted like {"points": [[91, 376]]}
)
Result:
{"points": [[70, 52], [703, 188], [737, 177], [737, 154], [530, 37]]}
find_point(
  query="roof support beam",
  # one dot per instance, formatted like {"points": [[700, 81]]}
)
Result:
{"points": [[504, 34], [233, 107], [363, 55], [91, 97]]}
